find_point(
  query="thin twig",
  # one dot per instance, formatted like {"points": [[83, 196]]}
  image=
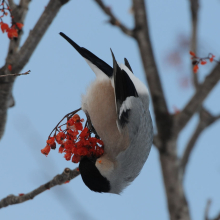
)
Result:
{"points": [[113, 20], [71, 113], [190, 146], [194, 17], [206, 217], [59, 179], [206, 119], [16, 74], [196, 101], [207, 209]]}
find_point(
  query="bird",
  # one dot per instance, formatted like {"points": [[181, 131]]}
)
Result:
{"points": [[117, 103]]}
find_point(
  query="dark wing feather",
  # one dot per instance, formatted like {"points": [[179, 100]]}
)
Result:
{"points": [[128, 65], [124, 88], [103, 66]]}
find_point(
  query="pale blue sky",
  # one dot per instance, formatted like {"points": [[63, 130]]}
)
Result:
{"points": [[58, 78]]}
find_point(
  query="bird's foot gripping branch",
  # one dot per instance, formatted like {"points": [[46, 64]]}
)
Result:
{"points": [[75, 141]]}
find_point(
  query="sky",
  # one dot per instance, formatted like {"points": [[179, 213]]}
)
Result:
{"points": [[58, 78]]}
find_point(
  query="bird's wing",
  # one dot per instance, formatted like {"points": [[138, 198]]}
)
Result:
{"points": [[127, 64], [96, 64], [124, 91]]}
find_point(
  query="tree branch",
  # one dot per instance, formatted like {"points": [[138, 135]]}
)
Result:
{"points": [[19, 13], [16, 74], [190, 146], [141, 34], [176, 200], [206, 217], [207, 209], [166, 139], [113, 20], [37, 33], [194, 16], [11, 4], [157, 142], [60, 179], [206, 119], [163, 118], [18, 59], [196, 101]]}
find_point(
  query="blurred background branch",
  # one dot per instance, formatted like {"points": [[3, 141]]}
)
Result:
{"points": [[168, 126], [60, 179]]}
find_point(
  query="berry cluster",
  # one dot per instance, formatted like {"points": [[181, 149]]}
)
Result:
{"points": [[75, 141], [197, 60], [15, 26]]}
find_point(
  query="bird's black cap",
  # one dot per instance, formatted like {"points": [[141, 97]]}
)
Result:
{"points": [[92, 177]]}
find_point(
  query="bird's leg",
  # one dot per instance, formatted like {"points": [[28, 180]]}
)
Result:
{"points": [[90, 126]]}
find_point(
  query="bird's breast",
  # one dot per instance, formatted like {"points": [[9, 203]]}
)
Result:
{"points": [[99, 103]]}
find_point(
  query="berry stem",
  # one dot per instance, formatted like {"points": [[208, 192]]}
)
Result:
{"points": [[67, 115]]}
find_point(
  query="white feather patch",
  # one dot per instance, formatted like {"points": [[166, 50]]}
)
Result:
{"points": [[99, 73], [126, 105], [140, 87]]}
